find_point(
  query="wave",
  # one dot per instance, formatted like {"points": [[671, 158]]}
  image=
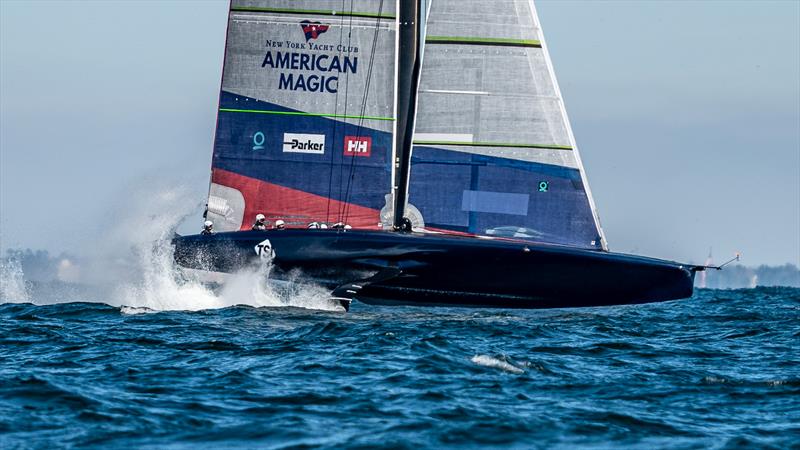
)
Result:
{"points": [[495, 363]]}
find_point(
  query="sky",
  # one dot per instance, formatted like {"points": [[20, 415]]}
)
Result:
{"points": [[687, 116]]}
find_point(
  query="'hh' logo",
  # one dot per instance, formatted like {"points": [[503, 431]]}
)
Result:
{"points": [[313, 29], [357, 145]]}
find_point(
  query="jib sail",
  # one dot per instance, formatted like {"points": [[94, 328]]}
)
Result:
{"points": [[306, 114], [493, 149]]}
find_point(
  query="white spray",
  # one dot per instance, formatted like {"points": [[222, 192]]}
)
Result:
{"points": [[12, 282], [131, 263]]}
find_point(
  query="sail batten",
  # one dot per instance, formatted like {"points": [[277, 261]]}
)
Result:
{"points": [[465, 40], [314, 12], [303, 113], [493, 144]]}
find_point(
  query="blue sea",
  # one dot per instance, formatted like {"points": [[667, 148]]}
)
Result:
{"points": [[719, 370]]}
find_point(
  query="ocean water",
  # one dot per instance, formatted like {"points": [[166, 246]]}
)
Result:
{"points": [[719, 370], [123, 350]]}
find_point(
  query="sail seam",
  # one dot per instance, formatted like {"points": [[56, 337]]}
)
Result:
{"points": [[465, 40], [495, 144], [316, 12], [301, 113]]}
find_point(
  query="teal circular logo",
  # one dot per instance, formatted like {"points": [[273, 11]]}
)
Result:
{"points": [[258, 141], [544, 186]]}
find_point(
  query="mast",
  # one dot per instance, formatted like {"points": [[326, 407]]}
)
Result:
{"points": [[408, 61]]}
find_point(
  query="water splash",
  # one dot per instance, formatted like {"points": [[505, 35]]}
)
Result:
{"points": [[13, 288], [164, 286], [161, 285], [254, 284], [131, 264]]}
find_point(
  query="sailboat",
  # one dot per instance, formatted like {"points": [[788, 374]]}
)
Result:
{"points": [[413, 152]]}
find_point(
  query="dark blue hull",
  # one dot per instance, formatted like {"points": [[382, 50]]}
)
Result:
{"points": [[437, 270]]}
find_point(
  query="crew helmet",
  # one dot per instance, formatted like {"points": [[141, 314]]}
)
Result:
{"points": [[280, 224], [208, 224], [260, 218]]}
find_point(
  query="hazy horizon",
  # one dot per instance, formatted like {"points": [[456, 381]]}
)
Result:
{"points": [[687, 116]]}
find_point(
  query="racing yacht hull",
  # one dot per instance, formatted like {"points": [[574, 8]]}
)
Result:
{"points": [[443, 270]]}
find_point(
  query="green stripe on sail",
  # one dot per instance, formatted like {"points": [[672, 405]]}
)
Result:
{"points": [[301, 113], [315, 12], [482, 41], [495, 144]]}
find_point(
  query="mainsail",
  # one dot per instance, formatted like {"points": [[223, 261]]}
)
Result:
{"points": [[493, 149], [306, 113]]}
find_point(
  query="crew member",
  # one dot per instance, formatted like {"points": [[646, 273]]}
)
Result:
{"points": [[208, 228], [280, 224], [260, 223]]}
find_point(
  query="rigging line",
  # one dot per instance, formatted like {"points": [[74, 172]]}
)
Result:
{"points": [[363, 110], [346, 102], [343, 198], [343, 207], [336, 123], [360, 127]]}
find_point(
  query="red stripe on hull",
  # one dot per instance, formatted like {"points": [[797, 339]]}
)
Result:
{"points": [[296, 208]]}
